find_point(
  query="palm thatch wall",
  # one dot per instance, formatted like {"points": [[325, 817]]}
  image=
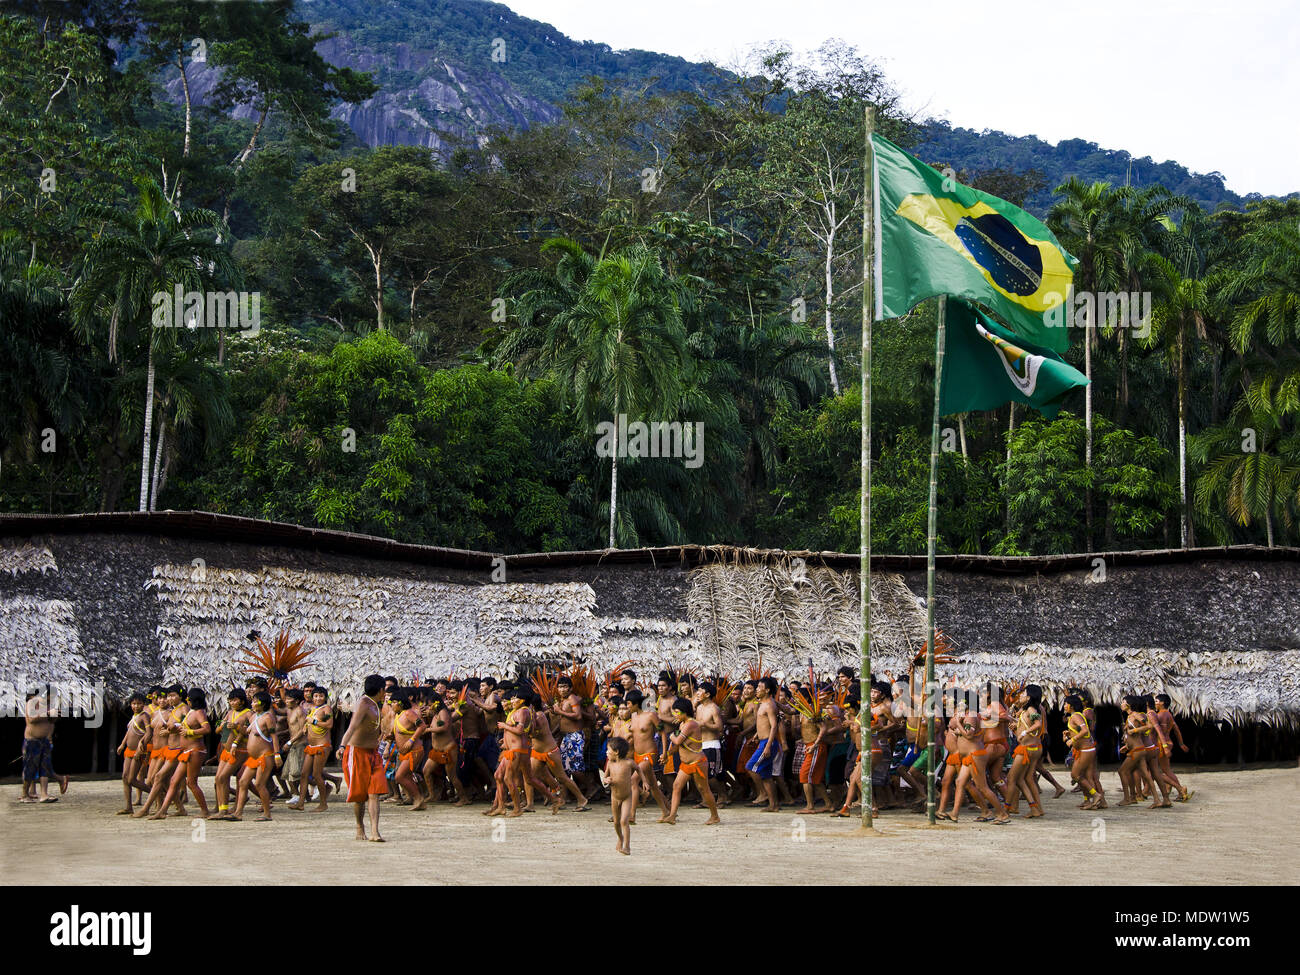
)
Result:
{"points": [[789, 614], [25, 557], [357, 625], [173, 597], [40, 646]]}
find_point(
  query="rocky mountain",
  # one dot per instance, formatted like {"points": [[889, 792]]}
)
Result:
{"points": [[450, 69]]}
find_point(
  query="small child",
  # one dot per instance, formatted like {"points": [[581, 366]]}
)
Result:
{"points": [[624, 786]]}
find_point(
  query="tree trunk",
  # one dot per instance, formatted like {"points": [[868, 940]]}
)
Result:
{"points": [[830, 297], [1182, 441], [148, 433], [613, 486], [1087, 423], [379, 293], [157, 460], [243, 157], [1268, 522], [1011, 429], [189, 115], [961, 433], [1123, 375]]}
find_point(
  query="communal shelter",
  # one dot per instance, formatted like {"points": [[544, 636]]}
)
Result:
{"points": [[119, 601]]}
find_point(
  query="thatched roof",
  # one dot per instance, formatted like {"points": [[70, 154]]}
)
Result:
{"points": [[40, 644], [1260, 685], [26, 557], [133, 598], [357, 625], [788, 613]]}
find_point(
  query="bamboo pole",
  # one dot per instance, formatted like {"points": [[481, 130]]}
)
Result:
{"points": [[929, 556], [864, 564]]}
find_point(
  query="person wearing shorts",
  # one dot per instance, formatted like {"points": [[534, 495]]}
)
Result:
{"points": [[363, 769]]}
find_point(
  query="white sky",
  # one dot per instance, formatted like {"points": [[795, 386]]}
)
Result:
{"points": [[1212, 85]]}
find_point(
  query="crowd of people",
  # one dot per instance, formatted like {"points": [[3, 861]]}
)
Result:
{"points": [[563, 739]]}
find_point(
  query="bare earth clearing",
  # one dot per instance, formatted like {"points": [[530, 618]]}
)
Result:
{"points": [[1240, 828]]}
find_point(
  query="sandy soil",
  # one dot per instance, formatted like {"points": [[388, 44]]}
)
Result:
{"points": [[1238, 829]]}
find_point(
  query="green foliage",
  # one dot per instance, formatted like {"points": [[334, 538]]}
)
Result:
{"points": [[1047, 482], [986, 151], [373, 442], [659, 240]]}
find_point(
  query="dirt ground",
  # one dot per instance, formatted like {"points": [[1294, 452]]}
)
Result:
{"points": [[1239, 828]]}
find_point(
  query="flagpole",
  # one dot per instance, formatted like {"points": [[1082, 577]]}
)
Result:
{"points": [[929, 560], [864, 563]]}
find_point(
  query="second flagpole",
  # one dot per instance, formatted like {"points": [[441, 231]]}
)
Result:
{"points": [[930, 698]]}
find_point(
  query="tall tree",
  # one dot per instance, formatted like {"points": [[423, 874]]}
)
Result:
{"points": [[1089, 220], [610, 331], [135, 258], [269, 62]]}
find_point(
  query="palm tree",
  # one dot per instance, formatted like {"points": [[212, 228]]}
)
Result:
{"points": [[763, 366], [1090, 221], [1267, 294], [1184, 303], [610, 331], [135, 257], [1265, 330], [1147, 229], [193, 396], [1248, 467]]}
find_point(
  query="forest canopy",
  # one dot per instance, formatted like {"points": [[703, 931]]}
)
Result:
{"points": [[424, 345]]}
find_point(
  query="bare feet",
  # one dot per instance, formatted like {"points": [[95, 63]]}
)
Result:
{"points": [[377, 839], [712, 820]]}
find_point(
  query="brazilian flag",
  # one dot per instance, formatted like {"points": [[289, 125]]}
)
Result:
{"points": [[988, 365], [935, 236]]}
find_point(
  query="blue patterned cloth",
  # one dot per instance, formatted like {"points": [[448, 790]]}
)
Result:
{"points": [[572, 752]]}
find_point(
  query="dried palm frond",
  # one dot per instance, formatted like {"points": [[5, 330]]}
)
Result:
{"points": [[278, 660]]}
